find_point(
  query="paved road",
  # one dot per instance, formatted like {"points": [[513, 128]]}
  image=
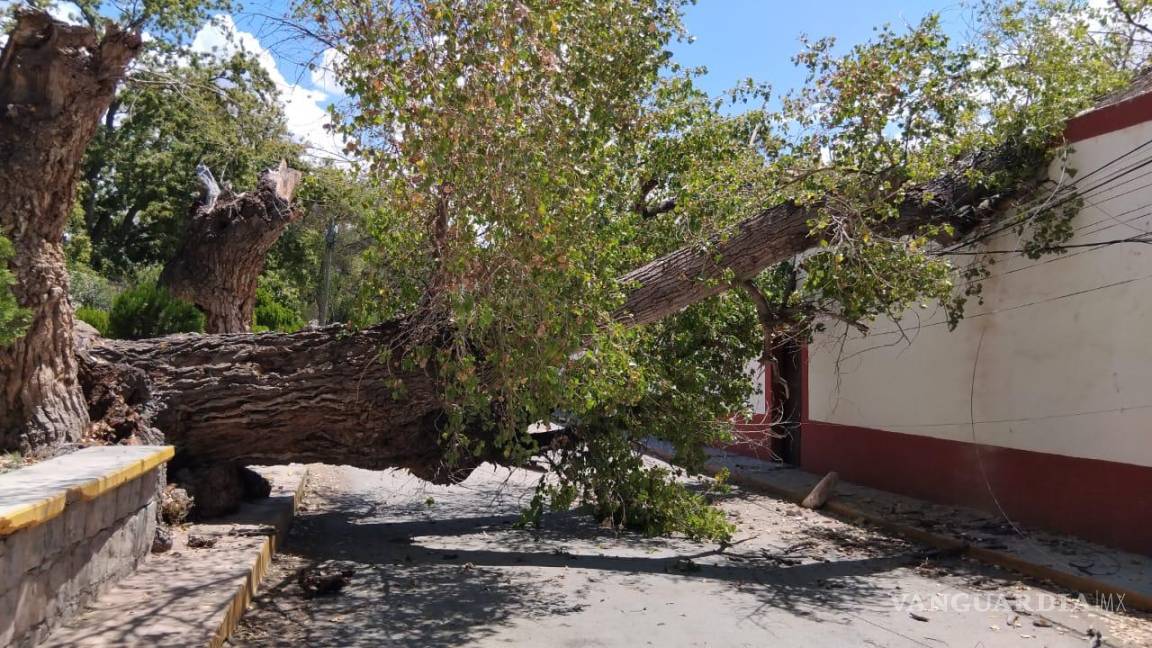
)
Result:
{"points": [[437, 567]]}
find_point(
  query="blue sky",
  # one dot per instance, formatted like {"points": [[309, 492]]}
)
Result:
{"points": [[734, 40]]}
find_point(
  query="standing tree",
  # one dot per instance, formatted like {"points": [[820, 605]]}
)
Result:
{"points": [[218, 265], [56, 82], [176, 110]]}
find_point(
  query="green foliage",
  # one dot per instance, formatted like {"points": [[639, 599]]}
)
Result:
{"points": [[86, 286], [612, 480], [909, 106], [147, 311], [174, 112], [273, 315], [346, 223], [13, 319], [681, 381], [98, 318], [89, 288], [497, 150], [337, 202]]}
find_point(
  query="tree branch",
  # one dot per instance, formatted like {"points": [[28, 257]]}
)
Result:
{"points": [[1129, 17]]}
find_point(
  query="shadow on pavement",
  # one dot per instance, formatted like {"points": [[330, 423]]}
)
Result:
{"points": [[437, 575]]}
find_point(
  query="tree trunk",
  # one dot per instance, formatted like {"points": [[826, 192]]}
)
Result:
{"points": [[692, 274], [55, 82], [339, 396], [222, 255], [330, 395], [324, 294]]}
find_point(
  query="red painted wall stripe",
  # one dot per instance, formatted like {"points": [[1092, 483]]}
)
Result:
{"points": [[1101, 121], [1103, 501]]}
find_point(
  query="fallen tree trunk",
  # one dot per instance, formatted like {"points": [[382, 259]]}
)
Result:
{"points": [[339, 396], [322, 395], [56, 80], [222, 254], [693, 274]]}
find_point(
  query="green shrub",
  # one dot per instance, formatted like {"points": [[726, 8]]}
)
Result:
{"points": [[13, 319], [271, 315], [608, 476], [148, 311], [89, 288], [97, 317]]}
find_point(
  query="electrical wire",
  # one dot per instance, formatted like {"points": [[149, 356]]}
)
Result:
{"points": [[1047, 205]]}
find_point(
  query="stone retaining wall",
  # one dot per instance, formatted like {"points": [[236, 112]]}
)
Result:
{"points": [[72, 527]]}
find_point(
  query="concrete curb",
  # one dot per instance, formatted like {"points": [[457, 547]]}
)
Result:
{"points": [[851, 514], [33, 513], [194, 596], [246, 592]]}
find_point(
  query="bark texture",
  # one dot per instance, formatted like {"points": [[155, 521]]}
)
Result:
{"points": [[222, 254], [56, 80], [339, 396], [326, 395]]}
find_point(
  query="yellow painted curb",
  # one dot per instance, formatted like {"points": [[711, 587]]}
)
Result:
{"points": [[97, 487], [247, 591], [1076, 582], [32, 513], [41, 511]]}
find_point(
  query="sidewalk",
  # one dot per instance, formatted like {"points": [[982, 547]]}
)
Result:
{"points": [[1101, 574], [194, 594]]}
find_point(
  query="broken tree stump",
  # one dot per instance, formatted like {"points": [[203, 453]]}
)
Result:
{"points": [[821, 492]]}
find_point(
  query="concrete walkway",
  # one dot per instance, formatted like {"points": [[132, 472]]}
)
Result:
{"points": [[191, 596], [442, 566]]}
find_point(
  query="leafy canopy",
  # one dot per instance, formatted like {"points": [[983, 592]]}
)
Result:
{"points": [[527, 153]]}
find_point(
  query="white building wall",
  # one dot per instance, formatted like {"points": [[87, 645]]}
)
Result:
{"points": [[1065, 342], [756, 399]]}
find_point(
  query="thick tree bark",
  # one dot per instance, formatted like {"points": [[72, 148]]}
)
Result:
{"points": [[55, 82], [339, 396], [328, 394], [223, 251]]}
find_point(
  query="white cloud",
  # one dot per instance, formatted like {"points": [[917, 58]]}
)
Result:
{"points": [[324, 74], [303, 107], [66, 12]]}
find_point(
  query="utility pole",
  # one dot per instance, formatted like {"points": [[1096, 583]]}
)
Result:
{"points": [[326, 272]]}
